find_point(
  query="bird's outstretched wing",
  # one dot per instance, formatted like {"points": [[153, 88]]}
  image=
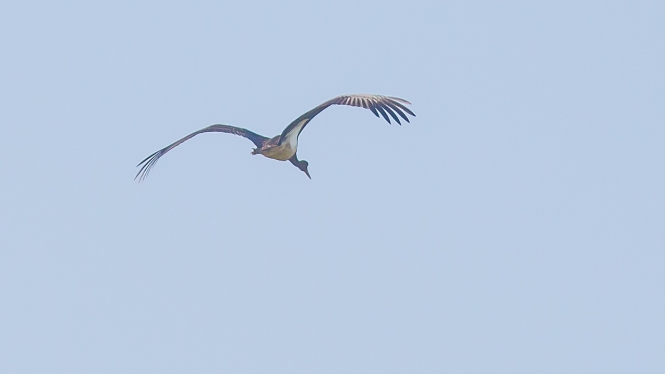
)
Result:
{"points": [[149, 161], [385, 105]]}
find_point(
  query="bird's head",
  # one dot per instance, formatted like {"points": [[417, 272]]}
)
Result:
{"points": [[302, 165]]}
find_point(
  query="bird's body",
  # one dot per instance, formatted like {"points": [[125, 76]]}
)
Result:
{"points": [[281, 152], [283, 147], [279, 149]]}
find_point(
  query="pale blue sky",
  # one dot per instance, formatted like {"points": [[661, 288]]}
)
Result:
{"points": [[515, 226]]}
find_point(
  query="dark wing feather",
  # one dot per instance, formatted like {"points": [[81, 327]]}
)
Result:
{"points": [[150, 161], [378, 104]]}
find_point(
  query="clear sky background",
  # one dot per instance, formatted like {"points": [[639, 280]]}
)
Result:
{"points": [[517, 225]]}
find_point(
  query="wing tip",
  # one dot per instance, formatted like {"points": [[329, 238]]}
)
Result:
{"points": [[399, 99]]}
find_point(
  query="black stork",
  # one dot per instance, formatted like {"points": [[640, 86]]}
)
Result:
{"points": [[284, 146]]}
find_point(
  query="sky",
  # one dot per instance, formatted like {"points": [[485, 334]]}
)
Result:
{"points": [[516, 225]]}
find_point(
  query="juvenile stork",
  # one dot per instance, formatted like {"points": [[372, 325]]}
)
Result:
{"points": [[284, 146]]}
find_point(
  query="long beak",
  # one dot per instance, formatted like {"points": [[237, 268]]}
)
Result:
{"points": [[307, 172]]}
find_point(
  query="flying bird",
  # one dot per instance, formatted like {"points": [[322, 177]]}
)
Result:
{"points": [[283, 147]]}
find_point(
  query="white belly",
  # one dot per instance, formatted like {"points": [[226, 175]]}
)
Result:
{"points": [[282, 152]]}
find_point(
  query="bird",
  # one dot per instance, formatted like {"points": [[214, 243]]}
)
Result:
{"points": [[284, 146]]}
